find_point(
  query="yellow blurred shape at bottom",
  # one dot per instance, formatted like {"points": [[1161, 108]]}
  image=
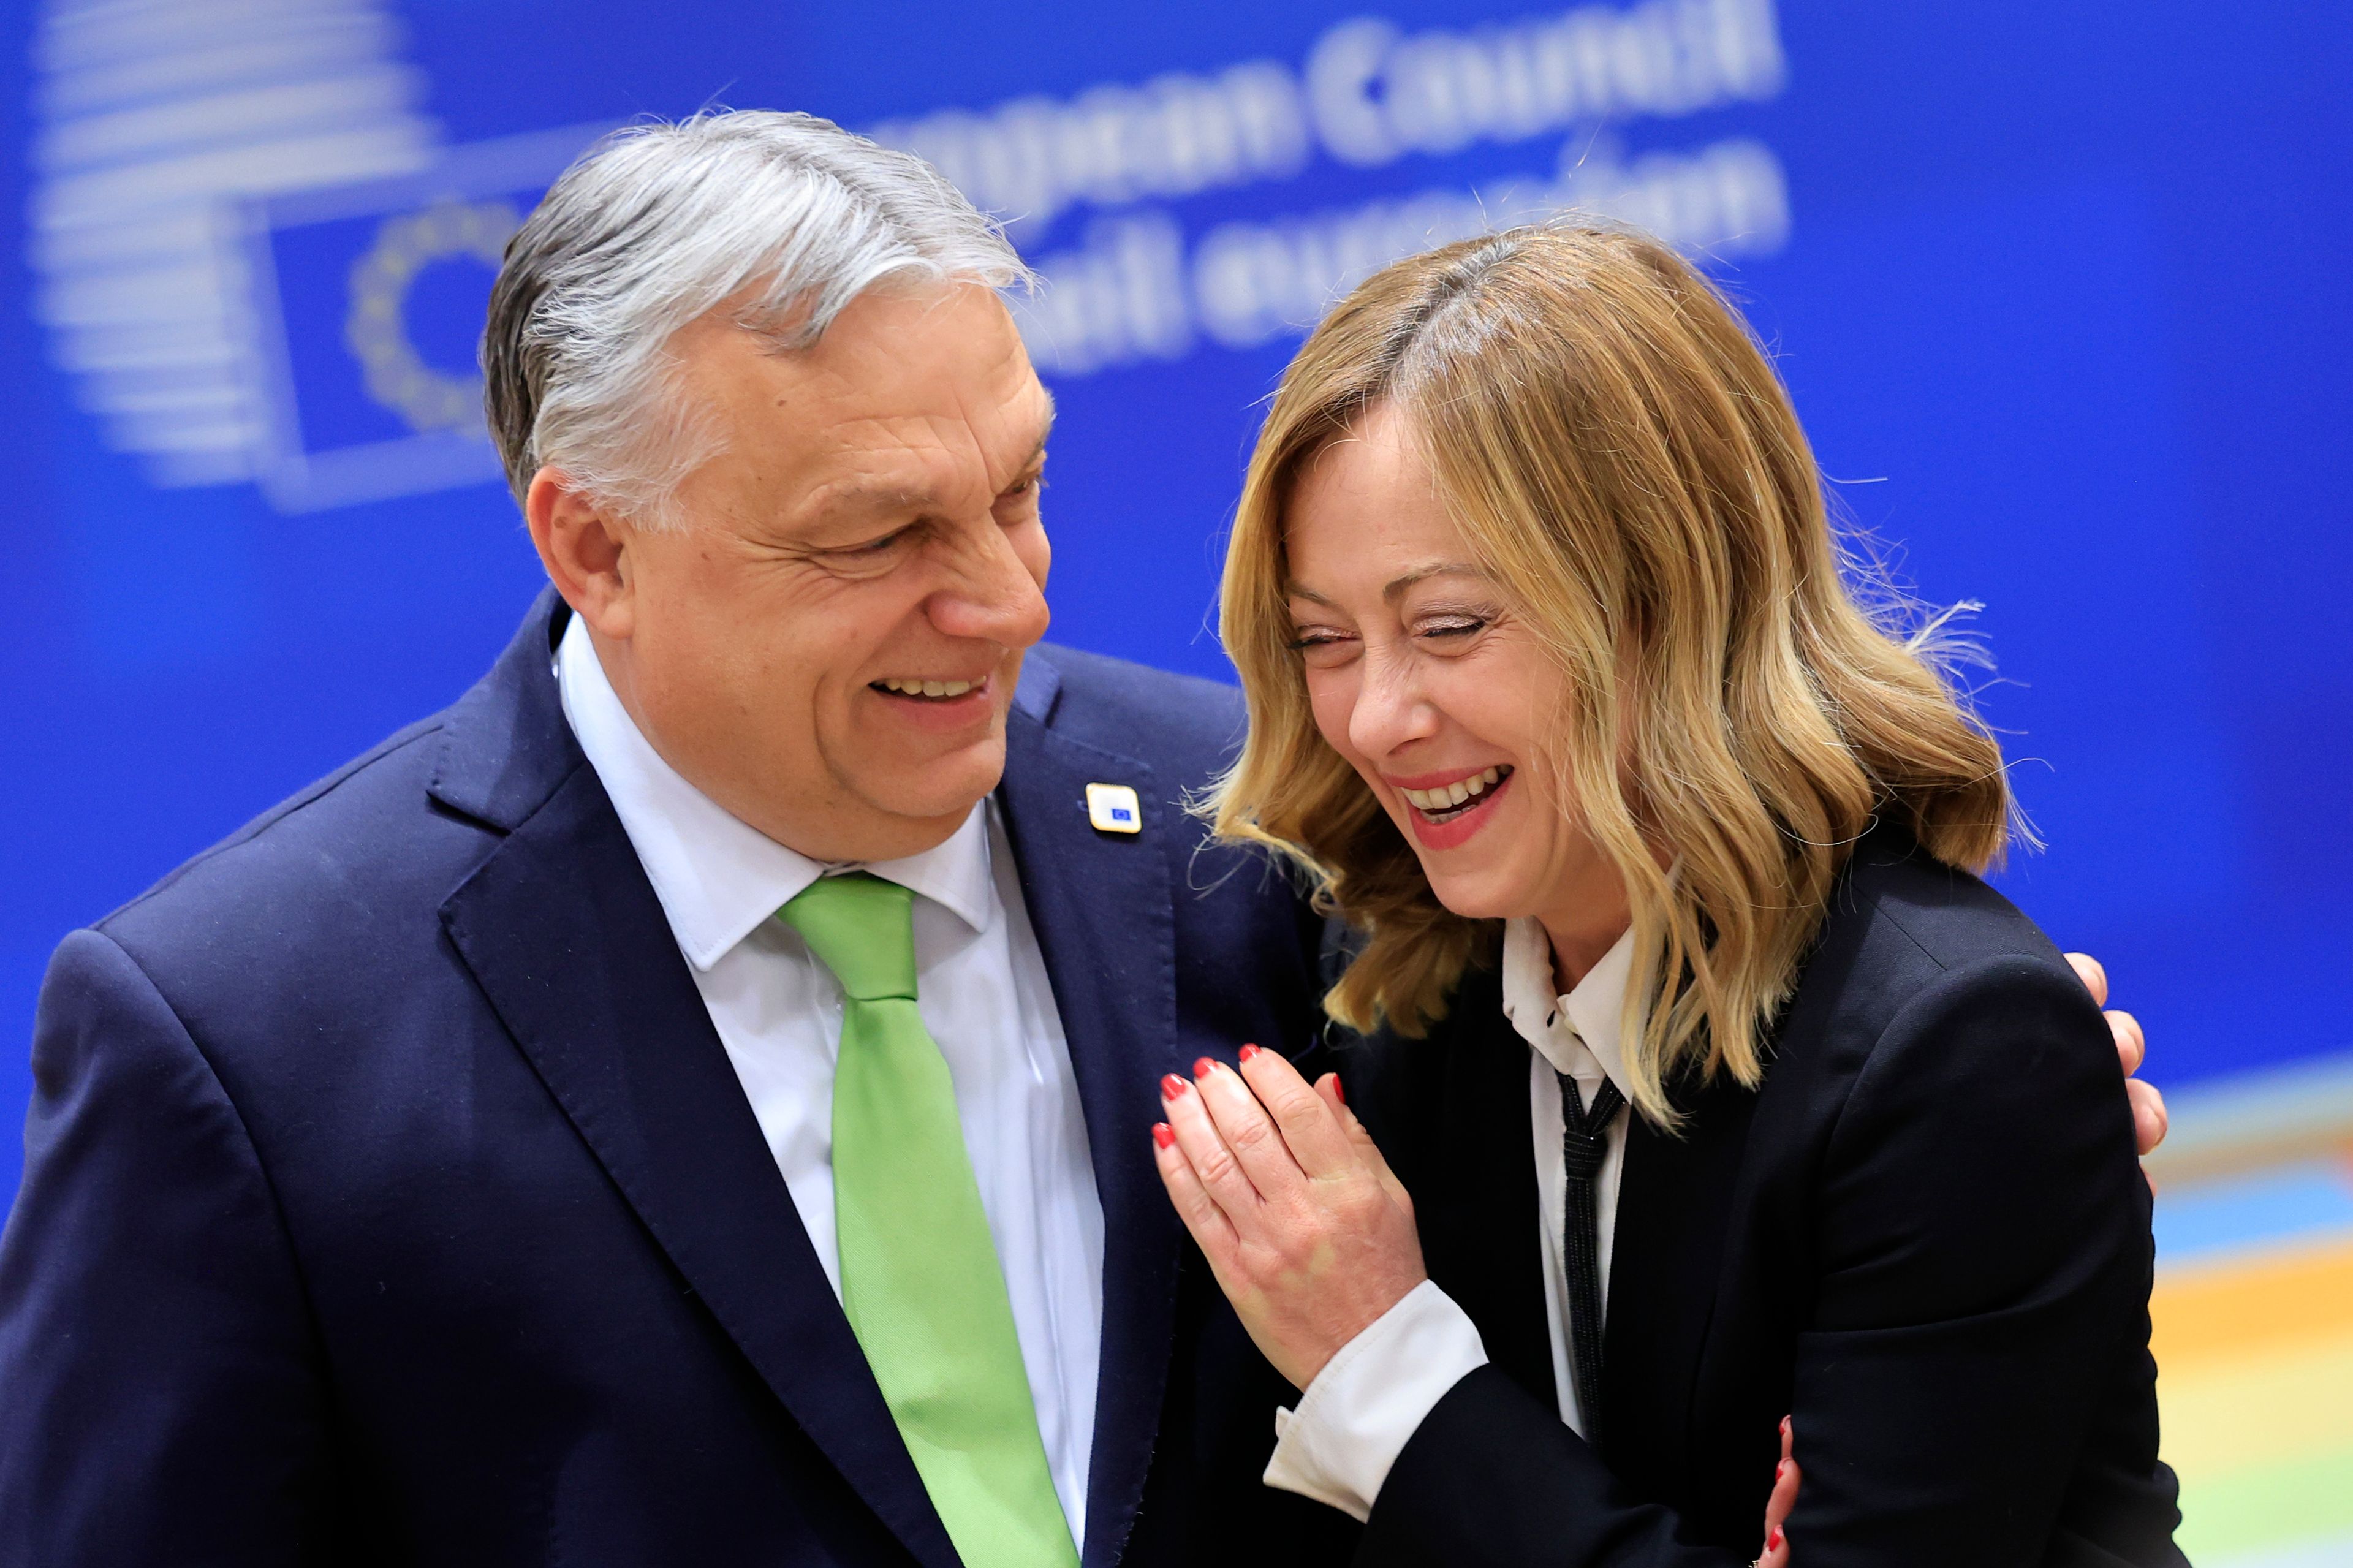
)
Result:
{"points": [[2255, 1382], [2227, 1309]]}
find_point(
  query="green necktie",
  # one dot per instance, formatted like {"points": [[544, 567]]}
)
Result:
{"points": [[919, 1277]]}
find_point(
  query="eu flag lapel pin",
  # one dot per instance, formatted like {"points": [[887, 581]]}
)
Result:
{"points": [[1113, 808]]}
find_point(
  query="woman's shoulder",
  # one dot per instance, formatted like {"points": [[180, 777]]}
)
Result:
{"points": [[1900, 923], [1951, 1093], [1952, 917], [1923, 971]]}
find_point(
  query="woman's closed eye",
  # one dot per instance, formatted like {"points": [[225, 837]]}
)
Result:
{"points": [[1456, 627], [1311, 640]]}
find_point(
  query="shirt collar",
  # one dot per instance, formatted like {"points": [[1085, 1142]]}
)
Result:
{"points": [[718, 877], [1563, 1030]]}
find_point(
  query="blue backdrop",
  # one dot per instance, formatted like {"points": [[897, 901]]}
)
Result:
{"points": [[2060, 289]]}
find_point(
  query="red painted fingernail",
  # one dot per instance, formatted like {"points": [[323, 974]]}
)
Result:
{"points": [[1339, 1090], [1202, 1069], [1773, 1542], [1171, 1086], [1781, 1469], [1248, 1051], [1163, 1134]]}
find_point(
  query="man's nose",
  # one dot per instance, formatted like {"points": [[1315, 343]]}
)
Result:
{"points": [[1390, 709], [992, 597]]}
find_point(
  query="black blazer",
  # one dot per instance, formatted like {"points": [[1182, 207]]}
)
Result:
{"points": [[388, 1198], [1926, 1237]]}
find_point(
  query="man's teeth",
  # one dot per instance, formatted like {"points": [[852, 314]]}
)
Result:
{"points": [[1452, 795], [926, 688]]}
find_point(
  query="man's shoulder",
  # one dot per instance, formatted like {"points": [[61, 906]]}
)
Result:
{"points": [[1174, 723], [363, 844]]}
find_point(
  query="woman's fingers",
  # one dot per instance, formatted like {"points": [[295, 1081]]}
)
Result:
{"points": [[1360, 1140], [1313, 1134], [1212, 1231], [1249, 1132], [1784, 1498], [1205, 1148]]}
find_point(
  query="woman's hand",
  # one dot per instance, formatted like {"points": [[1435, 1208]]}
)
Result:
{"points": [[1784, 1498], [1309, 1234]]}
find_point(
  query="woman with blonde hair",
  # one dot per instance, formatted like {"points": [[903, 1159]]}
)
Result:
{"points": [[1722, 1087]]}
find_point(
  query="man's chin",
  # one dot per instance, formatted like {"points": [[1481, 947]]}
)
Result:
{"points": [[943, 787]]}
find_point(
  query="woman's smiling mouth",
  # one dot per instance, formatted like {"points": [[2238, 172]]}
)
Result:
{"points": [[1445, 813], [1449, 801]]}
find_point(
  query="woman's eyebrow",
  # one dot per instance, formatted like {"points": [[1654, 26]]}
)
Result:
{"points": [[1390, 593], [1397, 586]]}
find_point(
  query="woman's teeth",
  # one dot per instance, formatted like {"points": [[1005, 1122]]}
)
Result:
{"points": [[1436, 802], [926, 688]]}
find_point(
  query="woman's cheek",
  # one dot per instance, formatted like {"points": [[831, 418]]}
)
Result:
{"points": [[1332, 696]]}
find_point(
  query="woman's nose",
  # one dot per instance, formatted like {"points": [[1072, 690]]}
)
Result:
{"points": [[1390, 709]]}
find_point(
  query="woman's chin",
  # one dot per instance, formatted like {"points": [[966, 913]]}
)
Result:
{"points": [[1480, 896]]}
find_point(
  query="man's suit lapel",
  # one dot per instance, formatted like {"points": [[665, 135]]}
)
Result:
{"points": [[1100, 904], [564, 933]]}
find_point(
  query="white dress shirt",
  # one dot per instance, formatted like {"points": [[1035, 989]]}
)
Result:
{"points": [[1357, 1416], [982, 990]]}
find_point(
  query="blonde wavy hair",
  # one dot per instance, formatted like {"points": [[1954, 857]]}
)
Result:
{"points": [[1624, 463]]}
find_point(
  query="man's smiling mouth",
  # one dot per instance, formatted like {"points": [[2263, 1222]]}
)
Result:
{"points": [[931, 691]]}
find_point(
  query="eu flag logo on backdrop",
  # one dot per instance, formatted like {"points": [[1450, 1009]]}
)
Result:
{"points": [[369, 298]]}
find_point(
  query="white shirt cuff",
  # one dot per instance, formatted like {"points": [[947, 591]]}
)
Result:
{"points": [[1357, 1416]]}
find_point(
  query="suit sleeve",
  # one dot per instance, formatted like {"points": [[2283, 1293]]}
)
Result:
{"points": [[164, 1402], [1982, 1262], [1979, 1338]]}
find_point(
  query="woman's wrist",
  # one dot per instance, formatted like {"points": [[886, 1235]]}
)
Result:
{"points": [[1370, 1396]]}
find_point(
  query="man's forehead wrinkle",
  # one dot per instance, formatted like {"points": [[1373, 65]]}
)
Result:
{"points": [[902, 463], [1011, 419]]}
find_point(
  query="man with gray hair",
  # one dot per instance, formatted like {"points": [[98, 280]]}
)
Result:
{"points": [[689, 1101]]}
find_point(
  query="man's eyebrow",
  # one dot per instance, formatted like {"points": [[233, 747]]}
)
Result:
{"points": [[867, 499], [1045, 433], [1032, 463]]}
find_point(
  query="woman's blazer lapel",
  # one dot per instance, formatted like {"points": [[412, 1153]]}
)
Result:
{"points": [[1458, 1118], [1675, 1201], [1480, 1230], [1451, 1112]]}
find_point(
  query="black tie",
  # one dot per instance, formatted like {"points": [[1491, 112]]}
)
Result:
{"points": [[1584, 1141]]}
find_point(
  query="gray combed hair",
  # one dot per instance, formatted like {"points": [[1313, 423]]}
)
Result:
{"points": [[782, 218]]}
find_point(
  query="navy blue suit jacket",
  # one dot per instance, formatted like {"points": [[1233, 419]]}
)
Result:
{"points": [[388, 1196]]}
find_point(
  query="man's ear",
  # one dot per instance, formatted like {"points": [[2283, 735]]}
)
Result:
{"points": [[585, 551]]}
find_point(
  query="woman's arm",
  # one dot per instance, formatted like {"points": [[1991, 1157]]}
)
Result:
{"points": [[1312, 1238], [1982, 1286], [1982, 1237]]}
